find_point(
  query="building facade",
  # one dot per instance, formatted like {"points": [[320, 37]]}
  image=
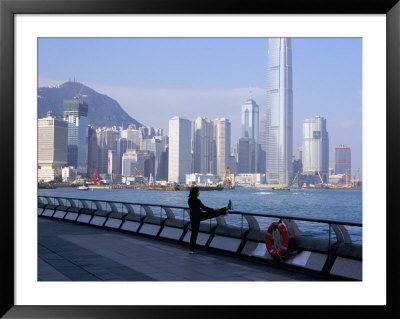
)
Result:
{"points": [[222, 138], [279, 126], [179, 154], [203, 146], [250, 124], [132, 137], [92, 151], [262, 145], [133, 163], [107, 139], [246, 149], [342, 160], [315, 149], [52, 147], [76, 115], [155, 146]]}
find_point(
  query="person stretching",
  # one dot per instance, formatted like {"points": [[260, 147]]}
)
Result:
{"points": [[196, 215]]}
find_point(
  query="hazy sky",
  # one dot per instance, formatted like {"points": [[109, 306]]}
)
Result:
{"points": [[155, 79]]}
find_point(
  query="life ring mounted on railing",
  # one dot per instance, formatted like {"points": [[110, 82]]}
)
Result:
{"points": [[281, 243]]}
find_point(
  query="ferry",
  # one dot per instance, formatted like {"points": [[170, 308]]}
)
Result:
{"points": [[281, 188], [83, 187]]}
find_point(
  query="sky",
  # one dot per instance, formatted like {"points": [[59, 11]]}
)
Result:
{"points": [[155, 79]]}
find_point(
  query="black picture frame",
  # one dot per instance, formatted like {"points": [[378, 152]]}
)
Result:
{"points": [[8, 10]]}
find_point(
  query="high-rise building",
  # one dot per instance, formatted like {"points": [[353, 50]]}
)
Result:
{"points": [[246, 148], [113, 163], [92, 150], [132, 137], [315, 147], [250, 123], [133, 162], [179, 155], [262, 145], [203, 146], [162, 173], [342, 160], [76, 114], [52, 147], [222, 138], [107, 139], [155, 146], [279, 135]]}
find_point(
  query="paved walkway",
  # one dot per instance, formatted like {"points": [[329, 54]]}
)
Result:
{"points": [[69, 251]]}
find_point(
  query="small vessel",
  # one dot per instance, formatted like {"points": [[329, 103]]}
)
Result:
{"points": [[281, 188], [83, 187], [202, 187], [162, 187], [46, 185]]}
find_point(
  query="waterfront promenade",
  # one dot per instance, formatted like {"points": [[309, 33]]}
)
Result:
{"points": [[77, 252]]}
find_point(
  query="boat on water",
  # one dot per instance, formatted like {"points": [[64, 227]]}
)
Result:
{"points": [[183, 187], [201, 187], [281, 188], [162, 188], [83, 188], [46, 186]]}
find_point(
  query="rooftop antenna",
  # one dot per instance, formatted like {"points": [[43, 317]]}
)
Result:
{"points": [[250, 93]]}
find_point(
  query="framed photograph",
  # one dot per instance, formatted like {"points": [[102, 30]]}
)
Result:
{"points": [[30, 36]]}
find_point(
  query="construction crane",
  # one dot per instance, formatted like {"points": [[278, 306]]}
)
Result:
{"points": [[227, 181], [76, 97], [294, 179], [140, 173]]}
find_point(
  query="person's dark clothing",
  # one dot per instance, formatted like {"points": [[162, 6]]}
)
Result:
{"points": [[197, 215]]}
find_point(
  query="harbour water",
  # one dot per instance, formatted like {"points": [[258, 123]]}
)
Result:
{"points": [[324, 203]]}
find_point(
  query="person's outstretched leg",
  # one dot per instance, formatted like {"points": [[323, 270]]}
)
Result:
{"points": [[193, 237]]}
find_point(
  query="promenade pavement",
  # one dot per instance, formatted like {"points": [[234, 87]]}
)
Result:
{"points": [[77, 252]]}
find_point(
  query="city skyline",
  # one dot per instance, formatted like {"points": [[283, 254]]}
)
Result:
{"points": [[206, 85]]}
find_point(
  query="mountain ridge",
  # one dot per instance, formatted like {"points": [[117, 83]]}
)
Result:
{"points": [[103, 111]]}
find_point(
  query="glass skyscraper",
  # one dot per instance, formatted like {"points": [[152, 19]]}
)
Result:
{"points": [[342, 160], [279, 135], [76, 114], [250, 123], [250, 120], [204, 160]]}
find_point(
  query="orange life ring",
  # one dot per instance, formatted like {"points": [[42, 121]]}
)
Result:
{"points": [[280, 252]]}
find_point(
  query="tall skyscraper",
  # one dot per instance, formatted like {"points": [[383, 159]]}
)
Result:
{"points": [[76, 114], [92, 150], [246, 149], [179, 155], [52, 147], [203, 146], [222, 137], [342, 160], [154, 145], [262, 145], [250, 120], [279, 135], [250, 124], [107, 139], [315, 147]]}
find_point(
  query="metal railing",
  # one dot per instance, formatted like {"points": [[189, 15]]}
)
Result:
{"points": [[182, 212]]}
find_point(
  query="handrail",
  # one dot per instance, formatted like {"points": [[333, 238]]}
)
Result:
{"points": [[236, 212]]}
